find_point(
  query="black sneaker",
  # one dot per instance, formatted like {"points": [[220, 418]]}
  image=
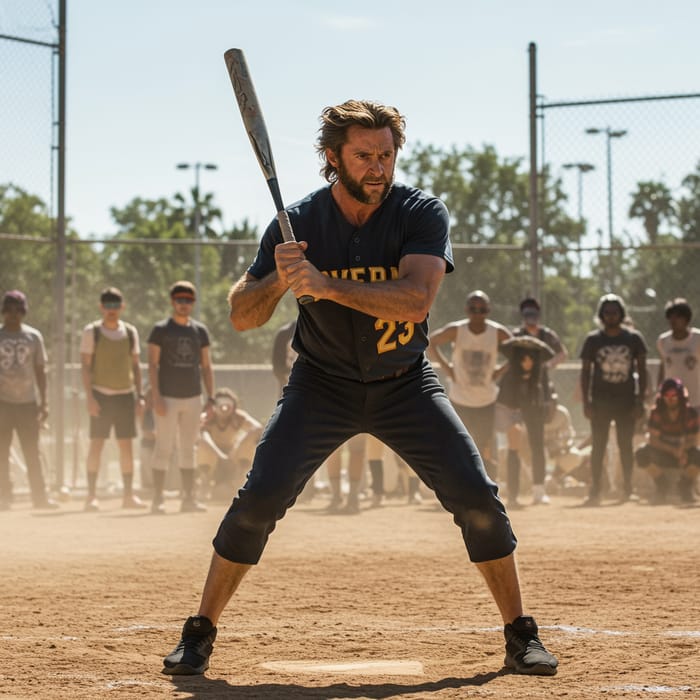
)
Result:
{"points": [[525, 653], [191, 656]]}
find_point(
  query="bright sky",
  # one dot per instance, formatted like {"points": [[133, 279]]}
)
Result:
{"points": [[148, 88]]}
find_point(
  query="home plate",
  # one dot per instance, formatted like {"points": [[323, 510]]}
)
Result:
{"points": [[364, 668]]}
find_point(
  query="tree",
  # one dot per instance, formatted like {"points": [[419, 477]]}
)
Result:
{"points": [[689, 207], [652, 202], [30, 265]]}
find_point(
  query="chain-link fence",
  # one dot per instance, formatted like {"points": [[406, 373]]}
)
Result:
{"points": [[28, 44], [630, 168]]}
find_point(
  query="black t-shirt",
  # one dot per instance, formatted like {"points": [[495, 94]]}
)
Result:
{"points": [[613, 358], [180, 356], [339, 340]]}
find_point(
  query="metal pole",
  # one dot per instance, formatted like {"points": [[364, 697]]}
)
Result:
{"points": [[534, 213], [60, 335], [197, 252], [611, 235]]}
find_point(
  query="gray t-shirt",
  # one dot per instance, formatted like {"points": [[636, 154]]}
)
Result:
{"points": [[21, 353]]}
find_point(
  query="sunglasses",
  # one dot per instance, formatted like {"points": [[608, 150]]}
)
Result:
{"points": [[183, 300], [477, 309], [112, 304]]}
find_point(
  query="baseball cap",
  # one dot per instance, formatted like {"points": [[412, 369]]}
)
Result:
{"points": [[17, 297]]}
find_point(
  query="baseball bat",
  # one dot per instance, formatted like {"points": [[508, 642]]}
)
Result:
{"points": [[257, 133]]}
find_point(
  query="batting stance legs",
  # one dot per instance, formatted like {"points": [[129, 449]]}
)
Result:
{"points": [[317, 414]]}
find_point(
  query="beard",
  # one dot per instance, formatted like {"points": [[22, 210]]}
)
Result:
{"points": [[355, 187]]}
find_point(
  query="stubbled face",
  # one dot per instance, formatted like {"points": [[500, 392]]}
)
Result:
{"points": [[366, 164]]}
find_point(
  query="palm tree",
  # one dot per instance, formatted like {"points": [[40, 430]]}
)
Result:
{"points": [[200, 211], [652, 203]]}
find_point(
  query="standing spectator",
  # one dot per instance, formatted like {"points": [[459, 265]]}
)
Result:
{"points": [[523, 398], [679, 349], [178, 363], [473, 390], [109, 356], [613, 384], [22, 382], [673, 442]]}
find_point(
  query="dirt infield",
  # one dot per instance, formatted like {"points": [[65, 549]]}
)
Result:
{"points": [[380, 605]]}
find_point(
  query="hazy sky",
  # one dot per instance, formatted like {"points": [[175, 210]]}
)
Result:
{"points": [[148, 88]]}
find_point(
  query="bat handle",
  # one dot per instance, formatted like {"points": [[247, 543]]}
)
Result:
{"points": [[287, 236]]}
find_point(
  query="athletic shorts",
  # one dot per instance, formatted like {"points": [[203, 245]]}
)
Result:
{"points": [[118, 410], [411, 414]]}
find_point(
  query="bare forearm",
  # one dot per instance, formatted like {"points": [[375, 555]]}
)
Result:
{"points": [[253, 301], [153, 380], [395, 300], [208, 378]]}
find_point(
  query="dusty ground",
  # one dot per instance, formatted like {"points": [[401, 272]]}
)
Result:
{"points": [[91, 602]]}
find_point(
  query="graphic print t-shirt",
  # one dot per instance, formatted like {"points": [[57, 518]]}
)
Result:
{"points": [[613, 358], [20, 353], [180, 352]]}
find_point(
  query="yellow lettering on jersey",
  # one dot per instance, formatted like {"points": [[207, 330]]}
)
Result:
{"points": [[390, 337], [357, 274], [377, 274]]}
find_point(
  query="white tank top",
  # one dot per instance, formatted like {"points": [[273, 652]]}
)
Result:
{"points": [[474, 358]]}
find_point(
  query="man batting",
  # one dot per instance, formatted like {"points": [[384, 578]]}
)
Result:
{"points": [[372, 254]]}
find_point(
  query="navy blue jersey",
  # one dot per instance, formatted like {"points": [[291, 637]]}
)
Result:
{"points": [[335, 338]]}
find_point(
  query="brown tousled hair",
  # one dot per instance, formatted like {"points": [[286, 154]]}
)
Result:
{"points": [[335, 122]]}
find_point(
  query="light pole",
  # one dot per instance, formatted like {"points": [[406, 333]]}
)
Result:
{"points": [[582, 168], [197, 224], [610, 134]]}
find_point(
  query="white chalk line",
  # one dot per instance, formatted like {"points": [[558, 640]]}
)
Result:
{"points": [[573, 630]]}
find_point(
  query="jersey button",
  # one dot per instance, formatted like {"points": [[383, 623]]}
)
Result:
{"points": [[363, 338], [357, 258], [356, 239]]}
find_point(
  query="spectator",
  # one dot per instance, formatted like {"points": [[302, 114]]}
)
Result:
{"points": [[523, 398], [679, 349], [23, 406], [613, 383], [672, 442], [227, 444], [178, 364], [474, 344], [109, 356]]}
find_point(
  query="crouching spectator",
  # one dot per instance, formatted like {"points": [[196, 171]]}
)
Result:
{"points": [[672, 442], [227, 444]]}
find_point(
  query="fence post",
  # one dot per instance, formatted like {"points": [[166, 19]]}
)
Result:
{"points": [[534, 213]]}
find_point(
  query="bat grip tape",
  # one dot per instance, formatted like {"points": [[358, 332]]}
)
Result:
{"points": [[288, 235]]}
